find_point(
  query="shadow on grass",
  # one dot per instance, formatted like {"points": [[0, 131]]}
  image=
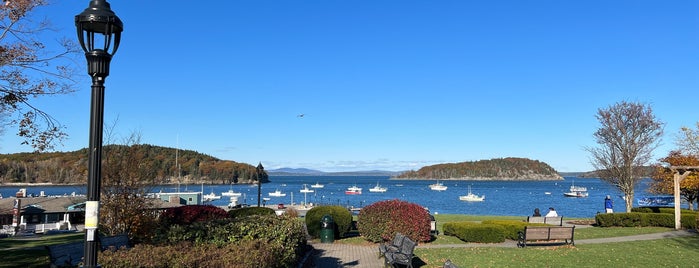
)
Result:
{"points": [[24, 258], [691, 242]]}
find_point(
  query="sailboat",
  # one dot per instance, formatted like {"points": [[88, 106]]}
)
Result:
{"points": [[306, 190], [471, 197]]}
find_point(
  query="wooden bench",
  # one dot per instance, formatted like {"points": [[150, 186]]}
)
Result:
{"points": [[404, 254], [393, 246], [114, 242], [547, 220], [71, 254], [546, 234]]}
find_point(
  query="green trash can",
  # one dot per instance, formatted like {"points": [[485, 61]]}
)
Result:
{"points": [[327, 229]]}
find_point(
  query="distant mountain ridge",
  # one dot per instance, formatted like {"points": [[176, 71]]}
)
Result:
{"points": [[312, 172]]}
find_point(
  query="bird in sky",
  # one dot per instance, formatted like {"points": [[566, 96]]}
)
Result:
{"points": [[301, 115]]}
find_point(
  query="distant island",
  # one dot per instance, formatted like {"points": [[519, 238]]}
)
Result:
{"points": [[155, 164], [501, 169]]}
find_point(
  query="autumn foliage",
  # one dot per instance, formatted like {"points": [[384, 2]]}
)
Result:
{"points": [[663, 176], [193, 213], [381, 221]]}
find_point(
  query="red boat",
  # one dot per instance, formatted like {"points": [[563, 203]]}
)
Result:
{"points": [[353, 190]]}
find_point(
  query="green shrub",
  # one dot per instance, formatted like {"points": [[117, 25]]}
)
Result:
{"points": [[667, 210], [640, 219], [341, 216], [511, 227], [476, 232], [252, 253], [453, 228], [249, 211], [381, 221], [284, 236]]}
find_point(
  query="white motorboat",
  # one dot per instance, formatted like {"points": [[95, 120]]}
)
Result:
{"points": [[230, 192], [438, 187], [471, 197], [277, 193], [210, 197], [576, 191], [378, 189], [306, 190], [317, 185], [353, 190]]}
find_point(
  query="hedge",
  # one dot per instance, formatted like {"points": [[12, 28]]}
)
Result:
{"points": [[249, 211], [639, 219], [341, 216], [476, 232]]}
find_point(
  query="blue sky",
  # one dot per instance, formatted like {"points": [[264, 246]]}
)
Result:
{"points": [[390, 85]]}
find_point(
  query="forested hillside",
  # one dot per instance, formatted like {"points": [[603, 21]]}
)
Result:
{"points": [[155, 164], [495, 169]]}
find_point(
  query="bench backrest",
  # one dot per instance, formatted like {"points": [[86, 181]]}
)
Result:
{"points": [[114, 242], [408, 246], [398, 240], [548, 220], [548, 233], [561, 232]]}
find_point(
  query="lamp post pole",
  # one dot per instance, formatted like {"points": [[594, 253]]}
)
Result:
{"points": [[98, 19], [260, 171]]}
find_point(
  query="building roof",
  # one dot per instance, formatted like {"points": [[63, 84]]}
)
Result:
{"points": [[47, 204], [57, 204]]}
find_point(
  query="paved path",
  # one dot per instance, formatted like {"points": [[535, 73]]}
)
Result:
{"points": [[344, 255]]}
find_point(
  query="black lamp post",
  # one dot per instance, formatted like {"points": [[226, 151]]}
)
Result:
{"points": [[260, 172], [98, 20]]}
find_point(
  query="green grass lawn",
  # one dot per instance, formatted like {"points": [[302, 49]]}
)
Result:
{"points": [[672, 252], [675, 252], [30, 251]]}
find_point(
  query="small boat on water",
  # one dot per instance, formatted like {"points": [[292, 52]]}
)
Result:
{"points": [[277, 193], [306, 190], [210, 197], [230, 192], [576, 191], [471, 197], [317, 185], [438, 187], [353, 190], [378, 189]]}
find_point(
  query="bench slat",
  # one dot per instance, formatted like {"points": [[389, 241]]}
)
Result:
{"points": [[546, 234]]}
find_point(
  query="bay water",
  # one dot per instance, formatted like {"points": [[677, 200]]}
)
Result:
{"points": [[501, 197]]}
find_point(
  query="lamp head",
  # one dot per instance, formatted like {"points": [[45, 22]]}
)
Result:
{"points": [[98, 20]]}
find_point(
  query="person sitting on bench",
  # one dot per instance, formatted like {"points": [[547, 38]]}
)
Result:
{"points": [[552, 213]]}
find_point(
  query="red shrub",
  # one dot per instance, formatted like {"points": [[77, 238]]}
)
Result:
{"points": [[193, 213], [380, 221]]}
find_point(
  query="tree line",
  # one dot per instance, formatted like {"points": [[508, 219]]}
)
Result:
{"points": [[499, 168], [156, 165]]}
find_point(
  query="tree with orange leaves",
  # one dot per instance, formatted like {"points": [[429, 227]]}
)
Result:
{"points": [[31, 68], [663, 177]]}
